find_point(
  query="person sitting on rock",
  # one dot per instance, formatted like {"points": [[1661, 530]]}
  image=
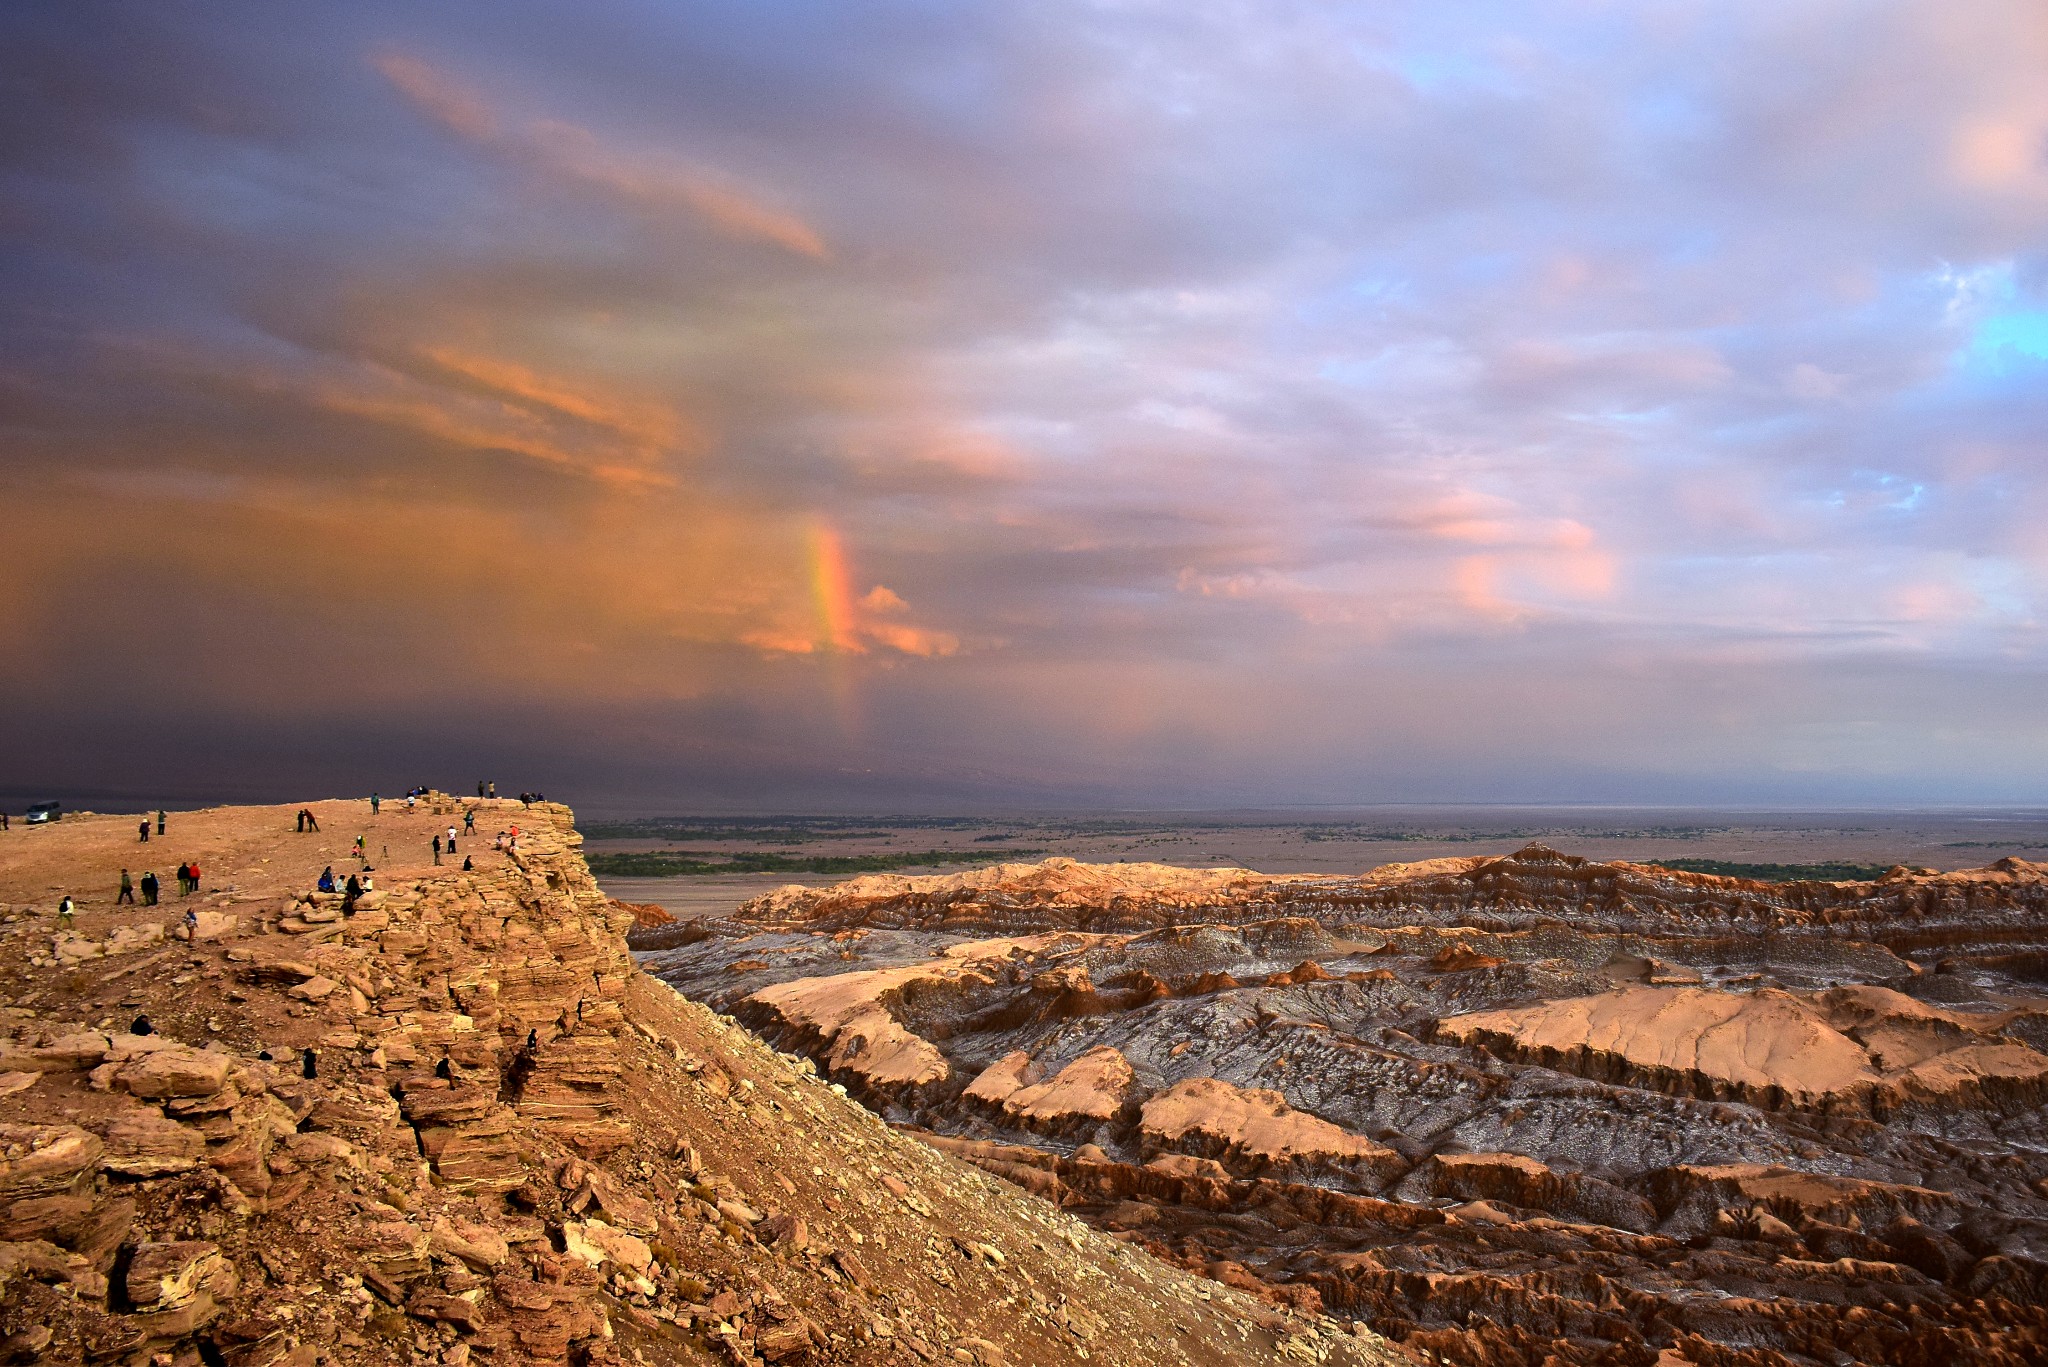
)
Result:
{"points": [[326, 883]]}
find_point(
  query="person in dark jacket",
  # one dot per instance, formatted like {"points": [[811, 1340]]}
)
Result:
{"points": [[149, 888]]}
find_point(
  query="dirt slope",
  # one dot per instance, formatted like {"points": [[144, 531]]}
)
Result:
{"points": [[513, 1146]]}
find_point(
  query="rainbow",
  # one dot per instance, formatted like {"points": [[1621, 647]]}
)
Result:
{"points": [[836, 637], [832, 592]]}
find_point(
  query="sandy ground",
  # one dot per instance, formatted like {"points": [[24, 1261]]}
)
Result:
{"points": [[39, 864]]}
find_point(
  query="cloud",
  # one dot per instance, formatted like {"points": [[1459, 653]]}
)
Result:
{"points": [[574, 153], [1291, 404]]}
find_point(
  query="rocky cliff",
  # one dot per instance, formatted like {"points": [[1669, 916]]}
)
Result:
{"points": [[451, 1122]]}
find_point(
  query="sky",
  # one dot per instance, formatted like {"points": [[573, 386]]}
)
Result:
{"points": [[917, 406]]}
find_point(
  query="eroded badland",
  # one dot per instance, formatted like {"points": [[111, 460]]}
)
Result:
{"points": [[455, 1123], [1508, 1109]]}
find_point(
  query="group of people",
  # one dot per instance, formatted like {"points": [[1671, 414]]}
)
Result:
{"points": [[188, 883], [142, 830], [308, 821], [351, 891], [147, 885]]}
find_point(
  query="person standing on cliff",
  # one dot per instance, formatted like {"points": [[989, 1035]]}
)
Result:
{"points": [[493, 793], [145, 831], [127, 890], [161, 816], [375, 803], [194, 867], [149, 888], [437, 849], [66, 915]]}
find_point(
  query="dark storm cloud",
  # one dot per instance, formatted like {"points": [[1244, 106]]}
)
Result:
{"points": [[1078, 401]]}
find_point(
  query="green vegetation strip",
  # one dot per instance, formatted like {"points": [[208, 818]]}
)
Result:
{"points": [[1778, 873], [683, 864]]}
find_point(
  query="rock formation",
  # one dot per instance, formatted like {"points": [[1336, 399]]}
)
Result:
{"points": [[1512, 1110], [453, 1123]]}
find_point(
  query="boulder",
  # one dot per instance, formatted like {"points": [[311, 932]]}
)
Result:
{"points": [[175, 1070], [46, 1160], [142, 1143], [595, 1242], [166, 1276], [477, 1246]]}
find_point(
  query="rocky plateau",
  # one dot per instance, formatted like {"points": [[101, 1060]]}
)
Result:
{"points": [[1514, 1109]]}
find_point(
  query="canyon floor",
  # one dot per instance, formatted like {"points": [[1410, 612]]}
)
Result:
{"points": [[450, 1121], [1509, 1107]]}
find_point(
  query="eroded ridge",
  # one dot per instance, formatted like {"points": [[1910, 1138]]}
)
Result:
{"points": [[451, 1122], [1517, 1109]]}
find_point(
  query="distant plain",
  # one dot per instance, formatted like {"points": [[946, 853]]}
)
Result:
{"points": [[1321, 841]]}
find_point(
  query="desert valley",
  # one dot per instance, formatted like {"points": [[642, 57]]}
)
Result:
{"points": [[1517, 1107]]}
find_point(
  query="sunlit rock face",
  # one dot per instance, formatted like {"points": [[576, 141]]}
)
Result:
{"points": [[1517, 1109]]}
